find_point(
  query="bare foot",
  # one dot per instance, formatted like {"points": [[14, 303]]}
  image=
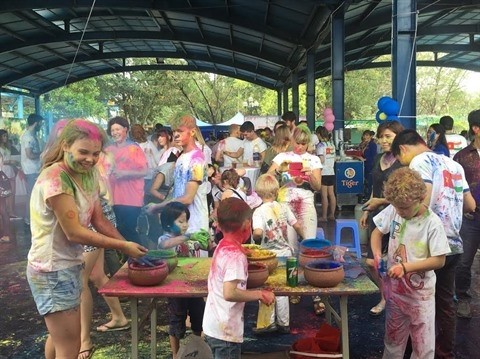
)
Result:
{"points": [[322, 219]]}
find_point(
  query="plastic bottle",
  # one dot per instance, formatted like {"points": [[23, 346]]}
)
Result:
{"points": [[256, 156], [382, 268]]}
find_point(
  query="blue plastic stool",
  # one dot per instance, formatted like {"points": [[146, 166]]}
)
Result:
{"points": [[353, 225]]}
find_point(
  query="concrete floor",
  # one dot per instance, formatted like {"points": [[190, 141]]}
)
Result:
{"points": [[22, 330]]}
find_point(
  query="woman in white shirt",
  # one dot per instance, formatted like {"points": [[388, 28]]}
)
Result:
{"points": [[299, 186]]}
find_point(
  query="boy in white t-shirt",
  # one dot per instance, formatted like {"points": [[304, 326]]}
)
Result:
{"points": [[417, 246], [227, 282], [270, 222]]}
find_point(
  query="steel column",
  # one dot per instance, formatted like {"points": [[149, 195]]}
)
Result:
{"points": [[338, 65], [295, 106], [404, 13], [311, 89]]}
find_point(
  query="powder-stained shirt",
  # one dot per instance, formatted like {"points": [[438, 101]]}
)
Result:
{"points": [[51, 250], [191, 166], [327, 150], [127, 191], [224, 320], [273, 219], [469, 158], [289, 194], [455, 143], [411, 241], [448, 186]]}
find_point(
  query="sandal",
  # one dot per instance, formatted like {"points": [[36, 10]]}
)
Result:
{"points": [[5, 239], [378, 309], [318, 306], [86, 354]]}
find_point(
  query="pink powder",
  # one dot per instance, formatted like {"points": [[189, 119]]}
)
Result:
{"points": [[90, 128]]}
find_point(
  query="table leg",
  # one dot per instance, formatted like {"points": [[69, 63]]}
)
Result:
{"points": [[134, 313], [153, 329], [344, 326], [328, 309]]}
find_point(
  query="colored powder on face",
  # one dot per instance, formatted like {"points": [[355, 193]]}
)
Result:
{"points": [[75, 166]]}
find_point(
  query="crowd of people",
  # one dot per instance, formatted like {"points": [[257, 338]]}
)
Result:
{"points": [[88, 189]]}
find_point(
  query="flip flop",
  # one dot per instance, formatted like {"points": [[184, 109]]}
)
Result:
{"points": [[104, 328], [318, 306], [89, 351], [377, 310]]}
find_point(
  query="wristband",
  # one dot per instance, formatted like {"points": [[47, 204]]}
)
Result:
{"points": [[404, 269]]}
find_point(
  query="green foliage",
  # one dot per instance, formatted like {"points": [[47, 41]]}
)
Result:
{"points": [[148, 97], [80, 99]]}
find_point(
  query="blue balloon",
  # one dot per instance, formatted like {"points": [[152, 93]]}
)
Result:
{"points": [[381, 100], [390, 107], [380, 117]]}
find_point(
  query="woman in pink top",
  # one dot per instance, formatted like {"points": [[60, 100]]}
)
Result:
{"points": [[126, 178]]}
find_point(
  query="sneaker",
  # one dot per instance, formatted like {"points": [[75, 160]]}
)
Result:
{"points": [[283, 329], [270, 329], [463, 309]]}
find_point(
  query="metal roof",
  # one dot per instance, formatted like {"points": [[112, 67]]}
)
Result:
{"points": [[259, 41]]}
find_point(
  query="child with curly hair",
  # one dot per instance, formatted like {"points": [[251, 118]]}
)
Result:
{"points": [[417, 246]]}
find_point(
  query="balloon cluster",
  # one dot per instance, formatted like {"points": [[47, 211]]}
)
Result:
{"points": [[328, 119], [388, 109]]}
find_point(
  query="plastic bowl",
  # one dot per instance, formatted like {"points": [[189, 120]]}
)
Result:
{"points": [[324, 274]]}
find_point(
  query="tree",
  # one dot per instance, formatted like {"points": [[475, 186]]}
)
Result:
{"points": [[80, 99]]}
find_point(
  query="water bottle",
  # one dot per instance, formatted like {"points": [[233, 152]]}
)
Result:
{"points": [[256, 156], [382, 268]]}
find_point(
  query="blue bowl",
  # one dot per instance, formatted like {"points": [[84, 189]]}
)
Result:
{"points": [[314, 244]]}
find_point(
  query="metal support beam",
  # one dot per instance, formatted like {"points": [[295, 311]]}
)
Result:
{"points": [[404, 29], [311, 89], [338, 65], [38, 107], [279, 102], [295, 106], [285, 98]]}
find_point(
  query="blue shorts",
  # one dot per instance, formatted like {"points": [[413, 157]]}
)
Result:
{"points": [[178, 309], [224, 350], [56, 291]]}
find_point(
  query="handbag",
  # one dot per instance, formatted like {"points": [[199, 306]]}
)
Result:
{"points": [[5, 186]]}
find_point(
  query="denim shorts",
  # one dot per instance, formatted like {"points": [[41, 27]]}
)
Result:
{"points": [[55, 291], [178, 309], [224, 350]]}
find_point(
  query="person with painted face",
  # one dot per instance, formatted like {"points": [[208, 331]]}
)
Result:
{"points": [[174, 218], [300, 198], [30, 157], [418, 245], [227, 281], [126, 178], [65, 200], [385, 163]]}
